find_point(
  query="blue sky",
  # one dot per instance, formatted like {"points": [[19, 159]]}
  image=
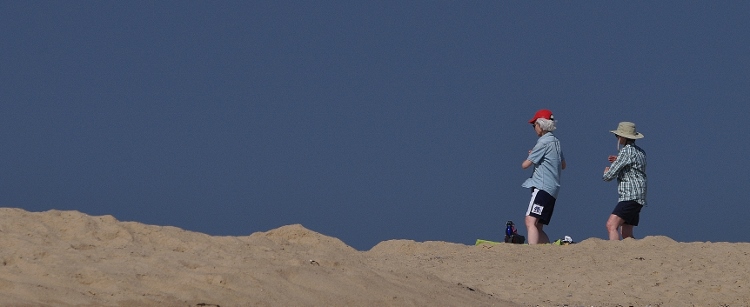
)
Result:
{"points": [[370, 121]]}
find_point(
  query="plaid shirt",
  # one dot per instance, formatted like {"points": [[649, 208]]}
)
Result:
{"points": [[630, 170]]}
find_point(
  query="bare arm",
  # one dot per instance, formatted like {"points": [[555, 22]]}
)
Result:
{"points": [[563, 164], [526, 164]]}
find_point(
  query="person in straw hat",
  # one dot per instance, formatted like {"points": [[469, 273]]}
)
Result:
{"points": [[548, 161], [629, 167]]}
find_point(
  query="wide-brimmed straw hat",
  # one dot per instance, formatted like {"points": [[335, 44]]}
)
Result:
{"points": [[627, 130]]}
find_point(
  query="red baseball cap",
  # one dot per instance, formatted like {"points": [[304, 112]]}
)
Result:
{"points": [[543, 113]]}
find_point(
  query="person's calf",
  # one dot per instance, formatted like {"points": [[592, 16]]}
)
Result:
{"points": [[627, 231], [532, 231], [613, 227], [543, 238]]}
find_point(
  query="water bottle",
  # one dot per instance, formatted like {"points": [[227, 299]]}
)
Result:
{"points": [[510, 230]]}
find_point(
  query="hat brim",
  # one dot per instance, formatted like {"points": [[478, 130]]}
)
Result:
{"points": [[637, 135]]}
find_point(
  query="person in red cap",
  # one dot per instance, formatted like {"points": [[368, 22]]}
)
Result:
{"points": [[548, 161]]}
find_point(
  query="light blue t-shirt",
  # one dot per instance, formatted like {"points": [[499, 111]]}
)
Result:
{"points": [[547, 157]]}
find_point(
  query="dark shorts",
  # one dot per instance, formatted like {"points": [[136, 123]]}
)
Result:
{"points": [[541, 206], [629, 211]]}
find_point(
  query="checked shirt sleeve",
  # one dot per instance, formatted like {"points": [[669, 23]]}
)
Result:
{"points": [[614, 169], [630, 170]]}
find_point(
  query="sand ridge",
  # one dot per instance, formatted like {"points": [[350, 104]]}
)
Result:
{"points": [[67, 258]]}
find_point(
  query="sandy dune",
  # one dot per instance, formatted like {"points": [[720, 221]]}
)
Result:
{"points": [[66, 258]]}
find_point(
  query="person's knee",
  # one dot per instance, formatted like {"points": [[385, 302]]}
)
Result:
{"points": [[612, 224], [530, 221]]}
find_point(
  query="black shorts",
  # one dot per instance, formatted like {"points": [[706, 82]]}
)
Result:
{"points": [[629, 211], [541, 206]]}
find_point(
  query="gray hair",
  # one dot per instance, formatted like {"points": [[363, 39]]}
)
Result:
{"points": [[546, 124]]}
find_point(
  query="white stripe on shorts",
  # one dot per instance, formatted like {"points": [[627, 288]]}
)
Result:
{"points": [[531, 202]]}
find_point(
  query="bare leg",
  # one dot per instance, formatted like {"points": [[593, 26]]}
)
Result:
{"points": [[543, 238], [613, 227], [535, 231], [627, 231]]}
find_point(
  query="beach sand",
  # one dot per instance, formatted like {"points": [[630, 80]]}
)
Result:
{"points": [[67, 258]]}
